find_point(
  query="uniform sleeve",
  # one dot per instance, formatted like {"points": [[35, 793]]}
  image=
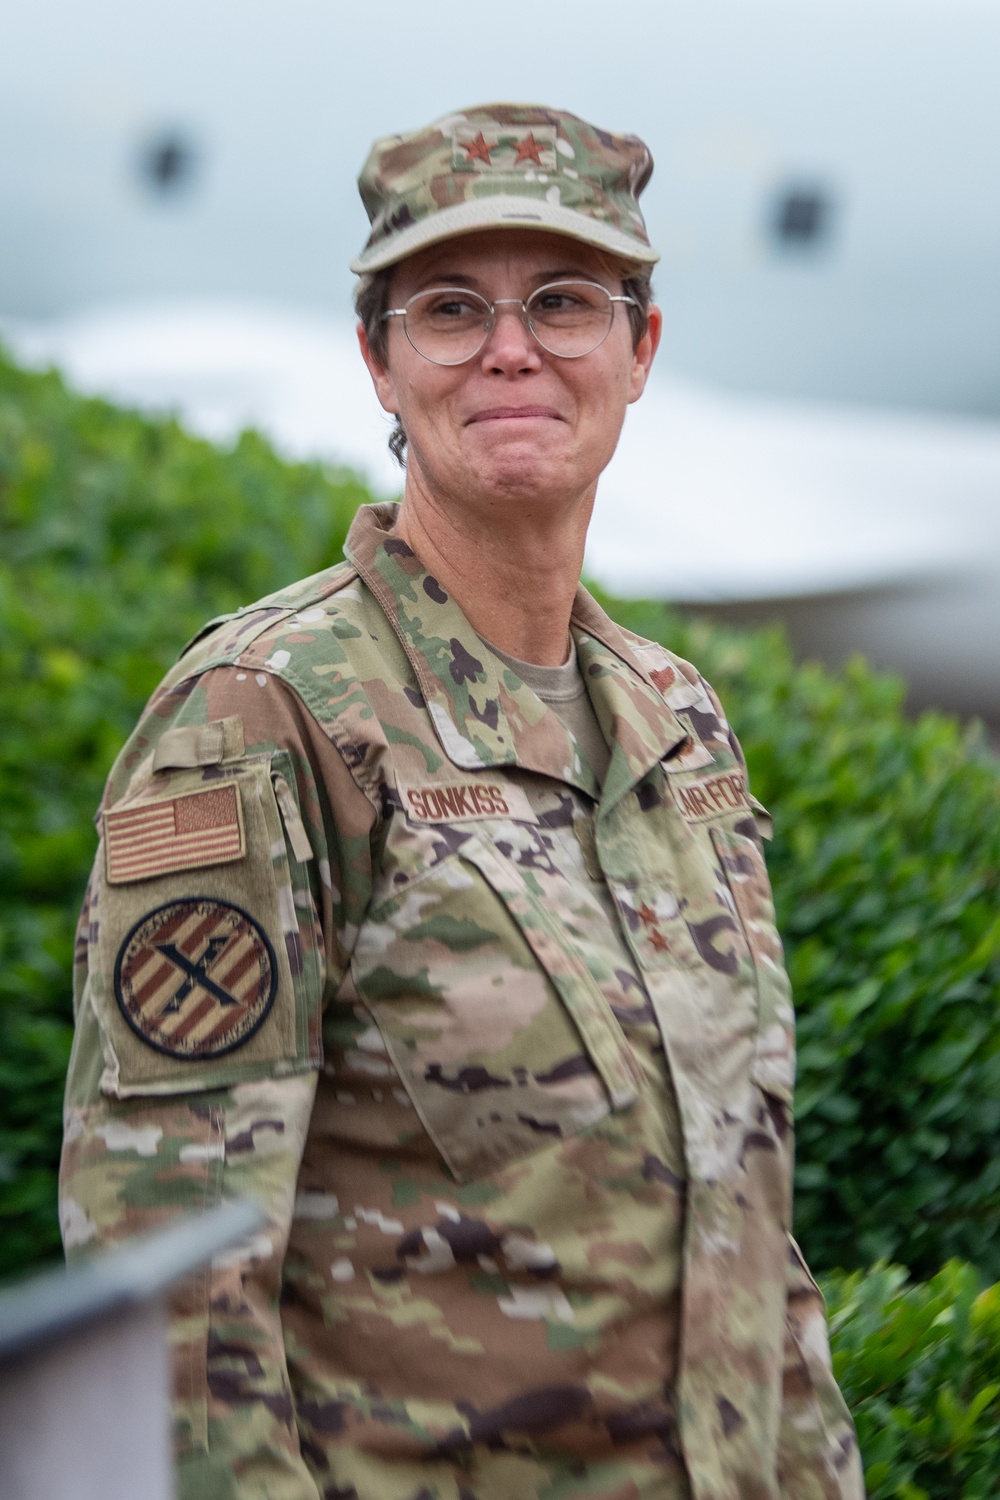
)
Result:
{"points": [[231, 875], [818, 1456]]}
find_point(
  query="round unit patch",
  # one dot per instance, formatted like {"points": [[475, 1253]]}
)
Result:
{"points": [[195, 978]]}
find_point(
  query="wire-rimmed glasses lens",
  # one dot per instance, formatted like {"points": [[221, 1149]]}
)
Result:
{"points": [[449, 325]]}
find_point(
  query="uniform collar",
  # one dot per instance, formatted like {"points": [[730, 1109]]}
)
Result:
{"points": [[483, 714], [634, 716]]}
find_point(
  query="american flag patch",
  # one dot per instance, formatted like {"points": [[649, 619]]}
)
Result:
{"points": [[179, 833]]}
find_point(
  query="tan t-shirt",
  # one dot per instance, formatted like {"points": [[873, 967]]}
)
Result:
{"points": [[564, 691]]}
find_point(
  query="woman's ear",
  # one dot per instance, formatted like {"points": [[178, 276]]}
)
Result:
{"points": [[645, 352], [381, 379]]}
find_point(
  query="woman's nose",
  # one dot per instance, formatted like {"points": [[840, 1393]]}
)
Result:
{"points": [[510, 346]]}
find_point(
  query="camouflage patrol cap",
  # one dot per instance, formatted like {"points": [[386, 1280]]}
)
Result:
{"points": [[504, 166]]}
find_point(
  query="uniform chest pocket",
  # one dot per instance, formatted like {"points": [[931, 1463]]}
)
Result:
{"points": [[204, 965], [702, 928], [494, 1023]]}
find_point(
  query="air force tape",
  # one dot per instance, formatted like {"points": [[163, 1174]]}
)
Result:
{"points": [[195, 978]]}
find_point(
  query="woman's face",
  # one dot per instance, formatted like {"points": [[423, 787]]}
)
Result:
{"points": [[515, 424]]}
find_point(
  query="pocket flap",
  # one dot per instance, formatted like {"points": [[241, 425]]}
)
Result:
{"points": [[604, 1039]]}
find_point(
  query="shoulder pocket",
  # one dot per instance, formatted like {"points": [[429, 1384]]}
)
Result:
{"points": [[205, 967]]}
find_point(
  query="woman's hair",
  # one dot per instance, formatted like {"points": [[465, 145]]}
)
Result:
{"points": [[371, 303]]}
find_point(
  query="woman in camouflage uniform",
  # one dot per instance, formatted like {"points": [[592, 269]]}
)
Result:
{"points": [[430, 912]]}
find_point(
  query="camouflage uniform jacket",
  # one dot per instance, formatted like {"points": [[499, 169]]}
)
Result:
{"points": [[506, 1058]]}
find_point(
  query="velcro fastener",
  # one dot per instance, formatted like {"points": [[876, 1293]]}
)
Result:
{"points": [[200, 745]]}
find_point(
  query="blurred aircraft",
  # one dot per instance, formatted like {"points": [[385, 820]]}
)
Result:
{"points": [[822, 442]]}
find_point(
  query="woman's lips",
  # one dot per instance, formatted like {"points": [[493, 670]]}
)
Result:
{"points": [[506, 413]]}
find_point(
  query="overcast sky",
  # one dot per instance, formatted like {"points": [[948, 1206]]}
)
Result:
{"points": [[890, 107]]}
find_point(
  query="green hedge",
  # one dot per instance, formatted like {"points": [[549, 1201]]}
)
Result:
{"points": [[920, 1367]]}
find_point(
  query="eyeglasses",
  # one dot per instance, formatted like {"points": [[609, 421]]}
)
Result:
{"points": [[449, 324]]}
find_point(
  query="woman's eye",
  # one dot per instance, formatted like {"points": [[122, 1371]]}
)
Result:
{"points": [[452, 307]]}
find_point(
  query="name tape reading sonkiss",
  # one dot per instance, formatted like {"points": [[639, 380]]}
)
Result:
{"points": [[466, 801]]}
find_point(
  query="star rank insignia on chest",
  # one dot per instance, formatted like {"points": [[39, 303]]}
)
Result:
{"points": [[649, 920]]}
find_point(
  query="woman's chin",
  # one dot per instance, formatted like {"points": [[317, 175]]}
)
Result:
{"points": [[524, 463]]}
